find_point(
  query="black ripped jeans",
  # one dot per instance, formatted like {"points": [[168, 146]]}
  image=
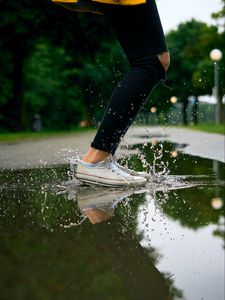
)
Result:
{"points": [[140, 34]]}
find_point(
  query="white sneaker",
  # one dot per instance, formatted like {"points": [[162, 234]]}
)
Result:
{"points": [[132, 172], [106, 173]]}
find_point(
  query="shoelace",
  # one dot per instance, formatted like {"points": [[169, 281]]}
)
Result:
{"points": [[111, 166], [110, 163], [125, 169], [114, 168]]}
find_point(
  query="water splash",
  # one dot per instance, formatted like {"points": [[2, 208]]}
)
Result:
{"points": [[72, 224]]}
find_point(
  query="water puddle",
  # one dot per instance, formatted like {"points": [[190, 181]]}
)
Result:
{"points": [[64, 240]]}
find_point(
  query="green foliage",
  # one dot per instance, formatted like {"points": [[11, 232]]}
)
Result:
{"points": [[23, 25], [191, 68], [52, 65], [220, 16], [98, 77], [51, 87], [191, 71]]}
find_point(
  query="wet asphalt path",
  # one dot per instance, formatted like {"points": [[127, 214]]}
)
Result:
{"points": [[57, 150]]}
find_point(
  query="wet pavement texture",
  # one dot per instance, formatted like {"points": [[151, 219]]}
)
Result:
{"points": [[64, 240], [57, 150]]}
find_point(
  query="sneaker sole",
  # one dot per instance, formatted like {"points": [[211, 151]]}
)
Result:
{"points": [[88, 181]]}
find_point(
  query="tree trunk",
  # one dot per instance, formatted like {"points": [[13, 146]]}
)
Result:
{"points": [[222, 113], [195, 111], [18, 103], [185, 112]]}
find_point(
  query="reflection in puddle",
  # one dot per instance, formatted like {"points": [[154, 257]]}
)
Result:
{"points": [[68, 241], [132, 265]]}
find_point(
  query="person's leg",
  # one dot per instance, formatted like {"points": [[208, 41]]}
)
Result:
{"points": [[164, 58], [139, 31]]}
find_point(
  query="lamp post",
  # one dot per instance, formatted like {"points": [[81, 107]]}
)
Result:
{"points": [[173, 116], [153, 110], [215, 56]]}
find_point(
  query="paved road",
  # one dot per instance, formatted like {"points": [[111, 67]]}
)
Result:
{"points": [[58, 150]]}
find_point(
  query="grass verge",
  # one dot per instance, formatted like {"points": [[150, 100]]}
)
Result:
{"points": [[211, 128], [17, 136]]}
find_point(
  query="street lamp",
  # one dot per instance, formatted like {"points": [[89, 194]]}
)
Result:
{"points": [[153, 110], [215, 56], [173, 99]]}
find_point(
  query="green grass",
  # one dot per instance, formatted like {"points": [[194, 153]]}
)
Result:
{"points": [[17, 136], [211, 128], [10, 137]]}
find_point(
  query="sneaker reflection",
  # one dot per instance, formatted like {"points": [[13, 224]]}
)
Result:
{"points": [[98, 203], [119, 247]]}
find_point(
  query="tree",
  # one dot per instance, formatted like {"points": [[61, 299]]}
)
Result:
{"points": [[50, 90], [99, 76], [191, 71], [22, 25], [19, 27], [220, 16]]}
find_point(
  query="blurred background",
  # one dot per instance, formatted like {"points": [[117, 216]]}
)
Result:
{"points": [[58, 68]]}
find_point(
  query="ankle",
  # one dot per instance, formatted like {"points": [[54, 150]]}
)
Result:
{"points": [[92, 160], [95, 156]]}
